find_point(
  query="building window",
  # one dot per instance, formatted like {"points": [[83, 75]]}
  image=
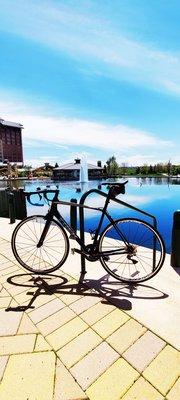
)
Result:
{"points": [[18, 139], [13, 139], [8, 138]]}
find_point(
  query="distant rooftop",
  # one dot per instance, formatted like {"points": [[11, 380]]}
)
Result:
{"points": [[76, 166], [9, 123]]}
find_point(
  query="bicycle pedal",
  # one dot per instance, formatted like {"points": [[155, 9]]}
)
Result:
{"points": [[72, 251]]}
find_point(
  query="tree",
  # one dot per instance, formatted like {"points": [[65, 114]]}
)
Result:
{"points": [[169, 165], [137, 170], [144, 169], [124, 167], [151, 170], [112, 166]]}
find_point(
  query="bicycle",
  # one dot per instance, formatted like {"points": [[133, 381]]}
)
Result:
{"points": [[130, 249]]}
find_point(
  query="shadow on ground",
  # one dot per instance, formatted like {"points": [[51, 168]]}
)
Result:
{"points": [[117, 293]]}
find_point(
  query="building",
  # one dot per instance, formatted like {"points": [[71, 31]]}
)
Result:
{"points": [[71, 171], [10, 142]]}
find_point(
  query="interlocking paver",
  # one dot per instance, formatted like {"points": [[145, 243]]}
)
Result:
{"points": [[5, 263], [142, 390], [29, 376], [174, 393], [9, 270], [164, 370], [55, 321], [5, 301], [17, 344], [47, 309], [110, 323], [9, 322], [85, 303], [26, 326], [4, 292], [66, 388], [93, 365], [96, 312], [66, 333], [144, 350], [79, 347], [41, 344], [126, 335], [3, 363], [114, 382], [14, 289], [3, 280]]}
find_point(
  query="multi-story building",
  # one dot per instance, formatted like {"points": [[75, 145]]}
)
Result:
{"points": [[11, 142]]}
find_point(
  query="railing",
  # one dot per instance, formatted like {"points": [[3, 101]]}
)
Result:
{"points": [[81, 217]]}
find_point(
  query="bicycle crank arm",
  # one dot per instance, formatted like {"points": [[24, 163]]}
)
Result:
{"points": [[88, 256], [77, 251]]}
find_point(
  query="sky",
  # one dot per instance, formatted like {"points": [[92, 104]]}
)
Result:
{"points": [[93, 77]]}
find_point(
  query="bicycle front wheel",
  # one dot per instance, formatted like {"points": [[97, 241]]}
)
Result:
{"points": [[46, 258], [133, 251]]}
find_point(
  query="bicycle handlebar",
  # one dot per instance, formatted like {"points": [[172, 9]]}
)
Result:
{"points": [[118, 188], [42, 193]]}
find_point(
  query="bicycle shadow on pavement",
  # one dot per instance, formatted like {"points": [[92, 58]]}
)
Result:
{"points": [[114, 292]]}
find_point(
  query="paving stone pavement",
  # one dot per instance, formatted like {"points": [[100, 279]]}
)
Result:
{"points": [[61, 340]]}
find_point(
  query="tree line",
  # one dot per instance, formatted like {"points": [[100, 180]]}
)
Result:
{"points": [[112, 168]]}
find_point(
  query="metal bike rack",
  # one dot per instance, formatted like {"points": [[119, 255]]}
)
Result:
{"points": [[81, 218]]}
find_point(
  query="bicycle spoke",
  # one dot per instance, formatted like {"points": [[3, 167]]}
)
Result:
{"points": [[50, 255]]}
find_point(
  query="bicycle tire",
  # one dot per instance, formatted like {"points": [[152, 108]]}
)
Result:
{"points": [[24, 245], [136, 268]]}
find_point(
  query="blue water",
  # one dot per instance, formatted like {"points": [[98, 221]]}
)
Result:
{"points": [[157, 196]]}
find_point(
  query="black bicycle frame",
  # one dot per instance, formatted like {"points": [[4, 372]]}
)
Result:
{"points": [[53, 212]]}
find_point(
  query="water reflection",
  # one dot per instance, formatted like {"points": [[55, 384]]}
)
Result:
{"points": [[157, 181], [158, 196], [84, 186]]}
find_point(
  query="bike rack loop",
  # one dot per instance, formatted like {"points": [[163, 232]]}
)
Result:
{"points": [[81, 218]]}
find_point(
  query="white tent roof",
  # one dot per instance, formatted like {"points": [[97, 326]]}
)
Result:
{"points": [[75, 166]]}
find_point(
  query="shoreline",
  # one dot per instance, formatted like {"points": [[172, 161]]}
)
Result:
{"points": [[42, 178]]}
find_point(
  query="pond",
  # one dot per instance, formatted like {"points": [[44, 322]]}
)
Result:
{"points": [[157, 196]]}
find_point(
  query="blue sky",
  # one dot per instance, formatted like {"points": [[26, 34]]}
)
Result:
{"points": [[93, 77]]}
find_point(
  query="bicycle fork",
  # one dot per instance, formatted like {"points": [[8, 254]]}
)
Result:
{"points": [[44, 233]]}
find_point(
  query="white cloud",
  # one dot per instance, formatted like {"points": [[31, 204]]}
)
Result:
{"points": [[91, 39], [139, 159], [66, 132], [37, 162]]}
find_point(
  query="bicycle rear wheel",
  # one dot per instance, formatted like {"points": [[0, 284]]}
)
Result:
{"points": [[39, 260], [133, 250]]}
